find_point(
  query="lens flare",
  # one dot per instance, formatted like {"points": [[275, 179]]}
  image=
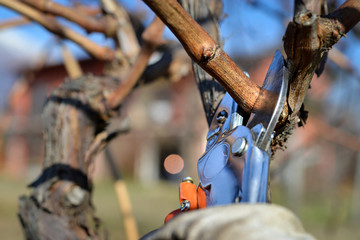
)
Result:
{"points": [[173, 164]]}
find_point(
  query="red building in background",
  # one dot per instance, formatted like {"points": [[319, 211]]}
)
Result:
{"points": [[164, 118]]}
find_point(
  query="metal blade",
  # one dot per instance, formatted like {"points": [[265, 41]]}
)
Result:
{"points": [[276, 82]]}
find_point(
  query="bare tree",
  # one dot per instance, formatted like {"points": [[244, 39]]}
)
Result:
{"points": [[76, 116], [307, 38], [77, 113]]}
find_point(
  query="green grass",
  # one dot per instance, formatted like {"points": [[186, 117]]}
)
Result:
{"points": [[10, 190], [322, 215], [151, 203]]}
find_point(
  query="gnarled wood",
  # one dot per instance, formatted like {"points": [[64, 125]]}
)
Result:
{"points": [[307, 39], [75, 118]]}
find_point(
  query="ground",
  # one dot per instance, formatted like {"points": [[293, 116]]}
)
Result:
{"points": [[151, 204]]}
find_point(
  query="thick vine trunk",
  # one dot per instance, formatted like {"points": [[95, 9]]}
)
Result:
{"points": [[75, 119], [59, 206], [307, 40]]}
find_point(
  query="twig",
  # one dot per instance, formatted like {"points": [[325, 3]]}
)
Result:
{"points": [[53, 26], [205, 52], [299, 6], [347, 15], [13, 23], [22, 21], [125, 34], [342, 61], [106, 24], [72, 66], [152, 38], [92, 11]]}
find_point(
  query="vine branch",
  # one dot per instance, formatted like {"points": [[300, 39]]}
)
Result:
{"points": [[308, 37], [105, 24], [207, 13], [152, 38], [205, 52], [53, 26], [307, 40], [13, 23]]}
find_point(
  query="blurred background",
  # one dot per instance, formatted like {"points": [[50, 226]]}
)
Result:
{"points": [[317, 176]]}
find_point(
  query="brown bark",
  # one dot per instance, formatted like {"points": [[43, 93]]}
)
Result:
{"points": [[126, 37], [53, 26], [347, 15], [105, 24], [72, 66], [205, 52], [75, 118], [152, 38], [22, 21], [76, 114], [307, 39], [13, 23], [207, 14]]}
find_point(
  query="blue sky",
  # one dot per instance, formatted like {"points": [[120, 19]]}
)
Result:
{"points": [[247, 30], [22, 45], [241, 17], [245, 17]]}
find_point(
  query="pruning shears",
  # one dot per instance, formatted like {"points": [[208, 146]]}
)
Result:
{"points": [[235, 165]]}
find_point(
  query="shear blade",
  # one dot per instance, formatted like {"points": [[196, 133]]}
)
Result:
{"points": [[276, 83]]}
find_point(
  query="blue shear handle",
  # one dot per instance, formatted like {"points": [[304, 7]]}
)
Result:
{"points": [[255, 177]]}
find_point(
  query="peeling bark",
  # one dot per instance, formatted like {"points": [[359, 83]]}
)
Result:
{"points": [[75, 119], [307, 40]]}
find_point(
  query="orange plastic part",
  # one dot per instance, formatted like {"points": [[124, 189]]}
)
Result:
{"points": [[187, 191], [196, 197], [201, 197], [172, 215]]}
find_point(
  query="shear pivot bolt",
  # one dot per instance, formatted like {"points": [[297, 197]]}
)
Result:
{"points": [[239, 146], [185, 205], [221, 117], [187, 179]]}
